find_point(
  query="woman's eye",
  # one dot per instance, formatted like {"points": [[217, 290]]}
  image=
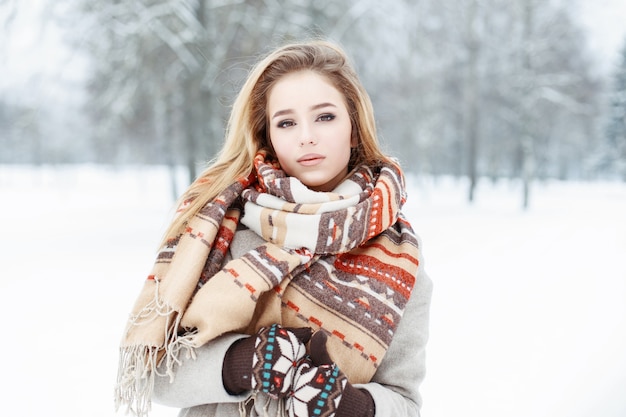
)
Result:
{"points": [[326, 117], [285, 123]]}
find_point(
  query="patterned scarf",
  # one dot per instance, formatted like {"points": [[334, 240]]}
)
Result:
{"points": [[344, 262]]}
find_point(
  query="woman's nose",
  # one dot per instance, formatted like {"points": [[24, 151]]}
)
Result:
{"points": [[307, 137]]}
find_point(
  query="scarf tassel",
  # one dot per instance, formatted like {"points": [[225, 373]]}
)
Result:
{"points": [[247, 406], [140, 364]]}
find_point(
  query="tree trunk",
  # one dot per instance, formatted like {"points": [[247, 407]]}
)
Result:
{"points": [[470, 114], [527, 139]]}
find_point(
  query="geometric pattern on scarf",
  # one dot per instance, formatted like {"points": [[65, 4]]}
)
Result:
{"points": [[344, 262]]}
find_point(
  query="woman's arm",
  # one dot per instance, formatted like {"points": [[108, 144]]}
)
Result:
{"points": [[395, 386], [198, 381]]}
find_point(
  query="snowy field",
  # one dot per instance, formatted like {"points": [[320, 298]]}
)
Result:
{"points": [[528, 314]]}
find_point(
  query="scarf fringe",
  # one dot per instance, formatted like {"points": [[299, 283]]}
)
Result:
{"points": [[139, 364], [252, 400], [135, 379]]}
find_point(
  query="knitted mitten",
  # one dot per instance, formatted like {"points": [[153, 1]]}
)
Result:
{"points": [[266, 361], [320, 389]]}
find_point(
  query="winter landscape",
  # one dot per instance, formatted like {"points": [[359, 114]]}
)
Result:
{"points": [[528, 314]]}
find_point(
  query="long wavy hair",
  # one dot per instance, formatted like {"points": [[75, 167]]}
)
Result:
{"points": [[247, 131]]}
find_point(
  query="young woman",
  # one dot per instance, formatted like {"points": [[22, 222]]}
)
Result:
{"points": [[289, 283]]}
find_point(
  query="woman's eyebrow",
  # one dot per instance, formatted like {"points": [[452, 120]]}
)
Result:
{"points": [[322, 105], [282, 113], [290, 111]]}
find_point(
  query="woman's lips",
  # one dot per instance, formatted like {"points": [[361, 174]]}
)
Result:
{"points": [[310, 159]]}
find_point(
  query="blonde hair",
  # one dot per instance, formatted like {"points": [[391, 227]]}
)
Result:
{"points": [[247, 129]]}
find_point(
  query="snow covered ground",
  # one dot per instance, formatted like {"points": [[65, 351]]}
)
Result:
{"points": [[528, 314]]}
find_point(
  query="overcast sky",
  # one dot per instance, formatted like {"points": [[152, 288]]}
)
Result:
{"points": [[605, 21]]}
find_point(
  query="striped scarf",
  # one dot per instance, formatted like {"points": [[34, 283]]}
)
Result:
{"points": [[344, 262]]}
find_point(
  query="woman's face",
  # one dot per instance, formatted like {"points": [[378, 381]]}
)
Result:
{"points": [[310, 129]]}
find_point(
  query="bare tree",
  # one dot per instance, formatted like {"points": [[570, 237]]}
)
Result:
{"points": [[616, 128]]}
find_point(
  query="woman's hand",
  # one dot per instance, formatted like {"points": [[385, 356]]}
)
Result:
{"points": [[321, 389], [265, 362]]}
